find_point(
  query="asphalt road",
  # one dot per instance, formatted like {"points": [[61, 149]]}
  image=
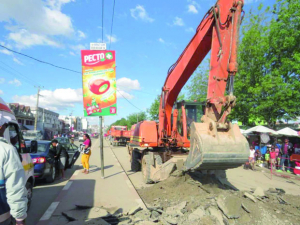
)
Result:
{"points": [[44, 194]]}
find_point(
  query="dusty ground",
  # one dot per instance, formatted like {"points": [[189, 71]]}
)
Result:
{"points": [[209, 198]]}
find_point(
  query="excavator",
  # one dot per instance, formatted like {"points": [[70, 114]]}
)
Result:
{"points": [[193, 136]]}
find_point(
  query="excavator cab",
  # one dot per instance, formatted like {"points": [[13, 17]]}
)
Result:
{"points": [[193, 113]]}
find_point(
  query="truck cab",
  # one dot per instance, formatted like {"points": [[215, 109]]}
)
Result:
{"points": [[13, 136]]}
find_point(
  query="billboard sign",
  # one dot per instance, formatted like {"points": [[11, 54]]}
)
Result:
{"points": [[99, 82]]}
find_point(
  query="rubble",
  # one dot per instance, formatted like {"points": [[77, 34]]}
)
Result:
{"points": [[134, 210], [251, 197], [259, 192], [230, 206]]}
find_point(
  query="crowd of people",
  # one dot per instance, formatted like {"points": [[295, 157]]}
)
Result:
{"points": [[277, 156]]}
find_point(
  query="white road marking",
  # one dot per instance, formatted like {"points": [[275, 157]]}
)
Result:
{"points": [[49, 211], [76, 172], [67, 186]]}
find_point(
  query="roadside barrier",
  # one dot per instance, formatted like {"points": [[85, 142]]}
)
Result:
{"points": [[295, 170]]}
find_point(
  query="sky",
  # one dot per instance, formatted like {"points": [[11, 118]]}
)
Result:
{"points": [[148, 37]]}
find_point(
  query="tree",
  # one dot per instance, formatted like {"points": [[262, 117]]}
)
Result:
{"points": [[136, 117], [197, 85], [154, 108], [268, 81]]}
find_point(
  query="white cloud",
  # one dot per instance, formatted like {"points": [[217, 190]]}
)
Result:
{"points": [[127, 84], [192, 9], [15, 82], [1, 92], [190, 29], [38, 17], [17, 61], [25, 39], [72, 53], [178, 21], [58, 99], [112, 38], [139, 12], [161, 40], [5, 51], [2, 80], [81, 34]]}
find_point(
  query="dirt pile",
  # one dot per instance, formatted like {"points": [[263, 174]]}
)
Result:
{"points": [[198, 199]]}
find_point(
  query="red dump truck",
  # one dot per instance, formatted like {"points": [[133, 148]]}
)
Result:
{"points": [[119, 135]]}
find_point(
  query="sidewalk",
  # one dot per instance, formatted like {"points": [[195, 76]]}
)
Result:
{"points": [[113, 193]]}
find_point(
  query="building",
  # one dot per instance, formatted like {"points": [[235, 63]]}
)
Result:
{"points": [[85, 124], [47, 122], [24, 115], [73, 123]]}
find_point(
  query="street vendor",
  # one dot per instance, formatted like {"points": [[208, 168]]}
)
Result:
{"points": [[286, 151]]}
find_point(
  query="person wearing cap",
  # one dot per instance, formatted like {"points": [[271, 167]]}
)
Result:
{"points": [[13, 200]]}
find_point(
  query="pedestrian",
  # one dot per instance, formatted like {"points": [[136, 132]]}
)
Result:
{"points": [[87, 144], [61, 155], [273, 157], [286, 151], [13, 200], [252, 157], [267, 158]]}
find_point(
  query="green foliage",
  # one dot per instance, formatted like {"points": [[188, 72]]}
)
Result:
{"points": [[154, 108], [196, 87], [268, 86], [130, 120]]}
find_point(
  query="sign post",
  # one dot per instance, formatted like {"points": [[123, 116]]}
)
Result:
{"points": [[99, 86]]}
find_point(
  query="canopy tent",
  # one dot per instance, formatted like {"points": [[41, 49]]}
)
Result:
{"points": [[288, 132], [261, 129]]}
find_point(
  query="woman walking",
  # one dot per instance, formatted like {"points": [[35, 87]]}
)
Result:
{"points": [[87, 144]]}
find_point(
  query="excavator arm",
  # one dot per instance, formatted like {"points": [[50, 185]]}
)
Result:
{"points": [[214, 136]]}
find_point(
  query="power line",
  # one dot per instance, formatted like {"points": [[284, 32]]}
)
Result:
{"points": [[102, 19], [112, 23], [129, 101], [20, 74], [41, 61]]}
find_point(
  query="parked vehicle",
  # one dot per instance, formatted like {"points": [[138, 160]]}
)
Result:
{"points": [[44, 162], [21, 148], [32, 135], [119, 135], [80, 139]]}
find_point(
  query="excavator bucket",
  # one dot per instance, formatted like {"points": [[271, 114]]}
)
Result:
{"points": [[212, 149]]}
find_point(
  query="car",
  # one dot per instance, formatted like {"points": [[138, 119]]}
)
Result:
{"points": [[80, 139], [43, 159]]}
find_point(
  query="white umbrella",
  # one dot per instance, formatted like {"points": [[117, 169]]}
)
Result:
{"points": [[261, 129], [288, 132]]}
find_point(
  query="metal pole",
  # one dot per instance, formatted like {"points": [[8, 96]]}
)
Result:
{"points": [[101, 146], [37, 108]]}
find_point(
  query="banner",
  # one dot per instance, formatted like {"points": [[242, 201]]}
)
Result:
{"points": [[99, 82]]}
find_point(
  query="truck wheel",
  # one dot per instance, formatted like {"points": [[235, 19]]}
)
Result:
{"points": [[146, 169], [51, 177], [135, 164], [29, 194]]}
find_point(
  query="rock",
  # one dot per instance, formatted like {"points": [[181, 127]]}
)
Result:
{"points": [[78, 206], [230, 206], [97, 221], [176, 210], [155, 215], [183, 211], [259, 192], [245, 208], [143, 215], [125, 222], [216, 213], [171, 220], [134, 210], [272, 190], [146, 223], [96, 212], [197, 214], [251, 197]]}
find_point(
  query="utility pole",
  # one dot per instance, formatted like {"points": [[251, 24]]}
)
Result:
{"points": [[37, 107], [101, 145]]}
